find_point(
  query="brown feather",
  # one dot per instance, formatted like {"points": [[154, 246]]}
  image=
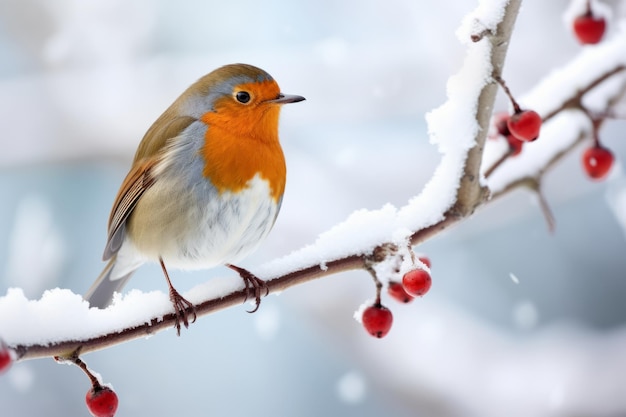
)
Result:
{"points": [[138, 180]]}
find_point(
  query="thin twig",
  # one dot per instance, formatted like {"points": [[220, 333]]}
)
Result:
{"points": [[505, 156], [543, 204], [575, 101], [507, 91]]}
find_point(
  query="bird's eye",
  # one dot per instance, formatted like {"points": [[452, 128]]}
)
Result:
{"points": [[242, 97]]}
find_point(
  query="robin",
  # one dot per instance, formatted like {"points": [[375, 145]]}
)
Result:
{"points": [[205, 186]]}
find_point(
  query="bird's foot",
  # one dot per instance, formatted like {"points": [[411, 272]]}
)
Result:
{"points": [[183, 310], [252, 283]]}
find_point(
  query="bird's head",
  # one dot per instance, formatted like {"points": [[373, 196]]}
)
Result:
{"points": [[241, 98]]}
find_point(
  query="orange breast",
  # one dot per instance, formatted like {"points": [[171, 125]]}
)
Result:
{"points": [[235, 154]]}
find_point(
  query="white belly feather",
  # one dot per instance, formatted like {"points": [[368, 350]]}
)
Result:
{"points": [[212, 229]]}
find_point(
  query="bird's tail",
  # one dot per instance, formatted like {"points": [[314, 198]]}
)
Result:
{"points": [[101, 292]]}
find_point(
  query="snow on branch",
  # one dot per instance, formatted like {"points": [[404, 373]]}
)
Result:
{"points": [[569, 101], [62, 324]]}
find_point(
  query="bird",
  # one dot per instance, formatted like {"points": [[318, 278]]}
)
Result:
{"points": [[204, 188]]}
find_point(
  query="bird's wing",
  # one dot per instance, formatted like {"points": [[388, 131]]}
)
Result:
{"points": [[138, 180], [141, 177]]}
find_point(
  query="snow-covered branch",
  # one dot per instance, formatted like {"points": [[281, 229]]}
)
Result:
{"points": [[459, 128], [573, 101], [452, 194]]}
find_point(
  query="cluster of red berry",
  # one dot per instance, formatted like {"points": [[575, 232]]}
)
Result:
{"points": [[517, 128], [596, 160], [589, 29], [377, 319], [524, 125]]}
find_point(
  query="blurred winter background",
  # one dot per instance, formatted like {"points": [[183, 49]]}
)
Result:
{"points": [[81, 81]]}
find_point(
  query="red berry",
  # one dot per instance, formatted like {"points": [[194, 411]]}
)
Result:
{"points": [[417, 282], [425, 260], [501, 123], [525, 125], [597, 162], [101, 401], [396, 290], [5, 357], [588, 29], [515, 145], [377, 320]]}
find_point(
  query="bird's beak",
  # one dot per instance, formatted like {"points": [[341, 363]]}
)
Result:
{"points": [[286, 98]]}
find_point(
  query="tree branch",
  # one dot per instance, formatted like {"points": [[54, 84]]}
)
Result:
{"points": [[470, 194], [533, 181]]}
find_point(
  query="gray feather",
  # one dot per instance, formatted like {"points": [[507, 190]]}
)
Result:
{"points": [[101, 292]]}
